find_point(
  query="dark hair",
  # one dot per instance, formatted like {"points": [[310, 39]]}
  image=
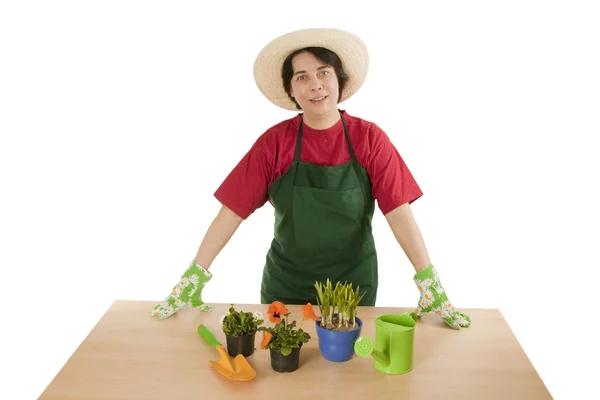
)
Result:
{"points": [[324, 55]]}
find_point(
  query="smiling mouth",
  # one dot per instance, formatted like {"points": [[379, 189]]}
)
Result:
{"points": [[316, 100]]}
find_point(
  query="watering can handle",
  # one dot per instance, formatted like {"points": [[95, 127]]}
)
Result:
{"points": [[207, 335]]}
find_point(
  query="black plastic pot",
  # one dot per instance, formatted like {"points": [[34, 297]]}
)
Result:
{"points": [[240, 344], [289, 363]]}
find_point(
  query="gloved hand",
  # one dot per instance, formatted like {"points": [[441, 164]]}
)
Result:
{"points": [[188, 291], [434, 299]]}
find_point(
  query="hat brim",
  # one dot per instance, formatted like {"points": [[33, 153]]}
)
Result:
{"points": [[349, 48]]}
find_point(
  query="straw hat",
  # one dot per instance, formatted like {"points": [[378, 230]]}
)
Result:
{"points": [[349, 48]]}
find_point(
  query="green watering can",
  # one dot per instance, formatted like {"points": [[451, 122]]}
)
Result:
{"points": [[394, 343]]}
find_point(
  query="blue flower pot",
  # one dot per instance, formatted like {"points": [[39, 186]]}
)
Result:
{"points": [[337, 346]]}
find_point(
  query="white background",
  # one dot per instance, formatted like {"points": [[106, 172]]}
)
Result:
{"points": [[119, 119]]}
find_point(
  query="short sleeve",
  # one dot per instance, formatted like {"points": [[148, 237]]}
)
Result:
{"points": [[245, 189], [393, 182]]}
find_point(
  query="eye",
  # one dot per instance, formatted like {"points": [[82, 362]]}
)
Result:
{"points": [[325, 72], [301, 77]]}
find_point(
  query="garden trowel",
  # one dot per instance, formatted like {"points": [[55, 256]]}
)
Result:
{"points": [[238, 368]]}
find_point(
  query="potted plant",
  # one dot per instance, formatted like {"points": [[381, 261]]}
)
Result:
{"points": [[338, 327], [240, 331], [283, 340]]}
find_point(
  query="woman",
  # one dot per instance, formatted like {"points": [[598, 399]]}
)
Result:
{"points": [[322, 171]]}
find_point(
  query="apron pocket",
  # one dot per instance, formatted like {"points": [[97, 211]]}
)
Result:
{"points": [[328, 219]]}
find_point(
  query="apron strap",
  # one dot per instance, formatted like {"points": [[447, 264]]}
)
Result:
{"points": [[348, 139], [299, 140]]}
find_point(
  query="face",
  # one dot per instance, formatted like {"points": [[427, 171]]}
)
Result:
{"points": [[314, 85]]}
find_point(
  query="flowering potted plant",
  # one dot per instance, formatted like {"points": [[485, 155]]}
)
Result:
{"points": [[240, 331], [283, 340], [338, 327]]}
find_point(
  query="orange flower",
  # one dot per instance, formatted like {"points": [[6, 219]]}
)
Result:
{"points": [[308, 313], [276, 311], [266, 339]]}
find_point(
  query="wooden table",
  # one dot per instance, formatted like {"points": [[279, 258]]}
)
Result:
{"points": [[130, 355]]}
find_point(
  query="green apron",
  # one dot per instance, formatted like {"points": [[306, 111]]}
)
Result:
{"points": [[323, 230]]}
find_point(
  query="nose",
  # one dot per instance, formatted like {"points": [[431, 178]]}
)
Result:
{"points": [[317, 85]]}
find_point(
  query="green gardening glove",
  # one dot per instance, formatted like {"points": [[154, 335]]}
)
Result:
{"points": [[188, 291], [434, 299]]}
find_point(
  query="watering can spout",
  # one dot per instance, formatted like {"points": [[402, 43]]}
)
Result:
{"points": [[382, 358], [364, 347]]}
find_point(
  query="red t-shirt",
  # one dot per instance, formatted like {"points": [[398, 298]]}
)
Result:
{"points": [[246, 188]]}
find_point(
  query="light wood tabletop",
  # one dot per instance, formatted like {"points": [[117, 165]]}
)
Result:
{"points": [[131, 355]]}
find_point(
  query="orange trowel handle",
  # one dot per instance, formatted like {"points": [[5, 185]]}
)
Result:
{"points": [[207, 335]]}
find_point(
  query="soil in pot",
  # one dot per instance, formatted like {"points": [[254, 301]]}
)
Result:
{"points": [[333, 326], [241, 344], [281, 363]]}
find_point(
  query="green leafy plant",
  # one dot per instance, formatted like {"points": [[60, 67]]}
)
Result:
{"points": [[283, 335], [341, 299], [239, 323]]}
